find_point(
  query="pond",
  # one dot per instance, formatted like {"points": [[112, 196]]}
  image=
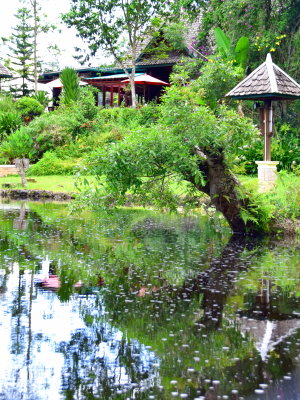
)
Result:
{"points": [[139, 305]]}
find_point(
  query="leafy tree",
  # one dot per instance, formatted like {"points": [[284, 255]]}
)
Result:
{"points": [[237, 54], [190, 143], [272, 25], [19, 147], [107, 24]]}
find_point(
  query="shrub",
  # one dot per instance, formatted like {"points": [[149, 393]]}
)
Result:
{"points": [[54, 129], [18, 145], [130, 117], [285, 148], [42, 98], [7, 103], [149, 114], [86, 104], [29, 107], [9, 122], [50, 164]]}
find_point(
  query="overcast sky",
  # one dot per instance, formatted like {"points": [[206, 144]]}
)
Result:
{"points": [[66, 40]]}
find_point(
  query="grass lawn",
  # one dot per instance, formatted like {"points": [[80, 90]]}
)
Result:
{"points": [[55, 183], [65, 183]]}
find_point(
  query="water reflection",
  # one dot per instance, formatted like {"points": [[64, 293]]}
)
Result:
{"points": [[166, 307]]}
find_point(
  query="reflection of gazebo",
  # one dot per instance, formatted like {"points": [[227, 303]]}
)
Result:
{"points": [[268, 324], [267, 83], [268, 333], [114, 87], [4, 73]]}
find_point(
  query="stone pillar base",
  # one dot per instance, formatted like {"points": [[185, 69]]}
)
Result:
{"points": [[267, 175]]}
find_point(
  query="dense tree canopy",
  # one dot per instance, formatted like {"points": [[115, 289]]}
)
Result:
{"points": [[189, 143]]}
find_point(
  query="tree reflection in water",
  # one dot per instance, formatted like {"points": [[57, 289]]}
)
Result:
{"points": [[172, 318]]}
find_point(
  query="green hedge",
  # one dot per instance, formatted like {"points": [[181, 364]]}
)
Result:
{"points": [[50, 164]]}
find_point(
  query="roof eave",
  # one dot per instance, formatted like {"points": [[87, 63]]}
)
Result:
{"points": [[263, 96]]}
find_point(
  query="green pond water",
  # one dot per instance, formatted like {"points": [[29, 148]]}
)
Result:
{"points": [[139, 305]]}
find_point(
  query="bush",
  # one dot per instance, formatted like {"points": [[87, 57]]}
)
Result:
{"points": [[29, 107], [50, 164], [9, 122], [130, 117], [18, 145], [54, 129], [7, 103], [42, 98], [285, 148], [86, 104]]}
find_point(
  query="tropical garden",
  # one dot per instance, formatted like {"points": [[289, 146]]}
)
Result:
{"points": [[138, 288], [163, 154]]}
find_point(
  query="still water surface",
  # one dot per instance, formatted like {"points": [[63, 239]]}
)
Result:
{"points": [[137, 305]]}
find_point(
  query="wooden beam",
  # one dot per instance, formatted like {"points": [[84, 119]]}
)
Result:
{"points": [[268, 129], [112, 96], [103, 96], [119, 96]]}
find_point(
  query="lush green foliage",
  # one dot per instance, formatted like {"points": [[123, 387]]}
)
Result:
{"points": [[270, 23], [217, 77], [50, 164], [6, 103], [70, 81], [9, 122], [238, 54], [42, 98], [17, 145], [285, 148], [29, 107], [148, 160]]}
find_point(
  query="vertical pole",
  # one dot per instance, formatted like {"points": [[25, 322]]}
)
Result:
{"points": [[119, 96], [112, 96], [268, 128], [103, 96]]}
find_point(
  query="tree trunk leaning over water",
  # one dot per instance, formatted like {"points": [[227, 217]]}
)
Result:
{"points": [[222, 187]]}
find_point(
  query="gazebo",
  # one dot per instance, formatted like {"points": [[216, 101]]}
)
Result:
{"points": [[267, 83], [4, 73], [114, 86]]}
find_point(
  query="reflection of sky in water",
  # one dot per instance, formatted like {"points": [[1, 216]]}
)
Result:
{"points": [[35, 369]]}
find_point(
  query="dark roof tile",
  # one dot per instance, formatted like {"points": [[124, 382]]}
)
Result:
{"points": [[267, 79]]}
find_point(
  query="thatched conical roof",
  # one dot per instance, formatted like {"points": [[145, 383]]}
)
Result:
{"points": [[267, 81], [4, 72]]}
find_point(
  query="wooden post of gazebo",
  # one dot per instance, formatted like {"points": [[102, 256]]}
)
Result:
{"points": [[266, 83]]}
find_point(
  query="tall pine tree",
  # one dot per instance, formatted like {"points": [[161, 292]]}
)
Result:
{"points": [[21, 47]]}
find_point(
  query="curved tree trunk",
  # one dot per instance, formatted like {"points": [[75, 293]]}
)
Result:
{"points": [[222, 187], [224, 196]]}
